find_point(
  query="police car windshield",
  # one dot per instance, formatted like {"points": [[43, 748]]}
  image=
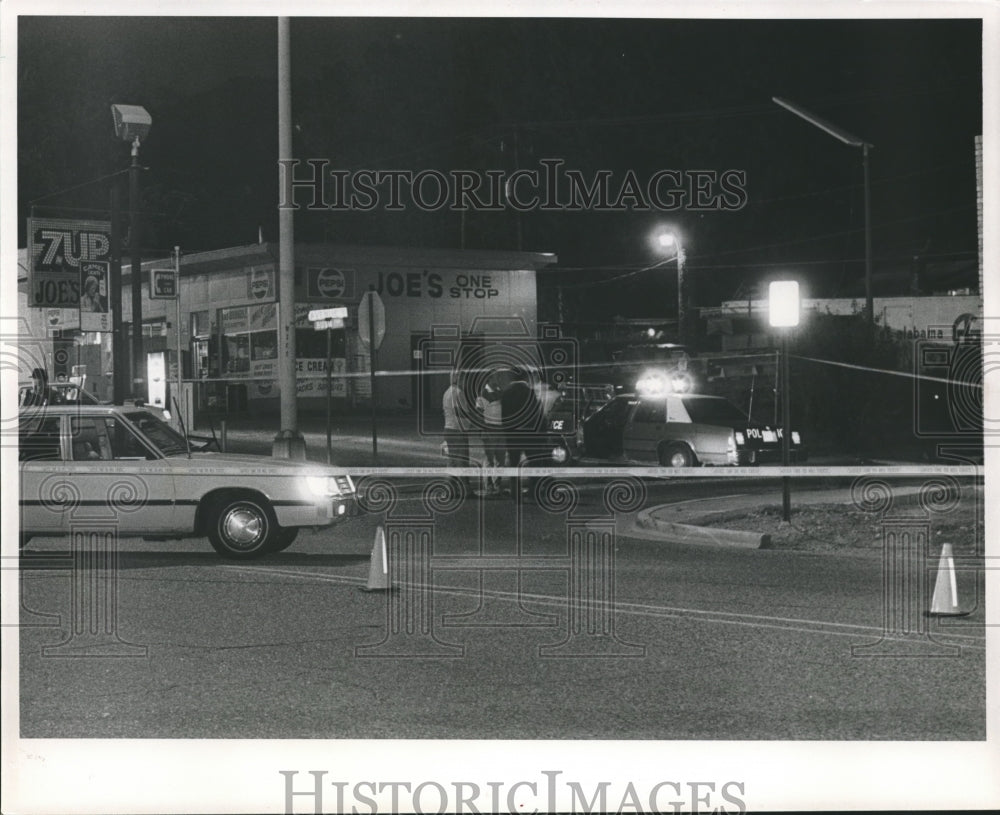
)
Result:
{"points": [[167, 440], [714, 411]]}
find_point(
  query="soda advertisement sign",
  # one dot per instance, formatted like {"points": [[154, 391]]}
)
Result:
{"points": [[329, 283], [260, 283], [56, 250]]}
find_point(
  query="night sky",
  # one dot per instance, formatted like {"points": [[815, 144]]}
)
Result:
{"points": [[485, 94]]}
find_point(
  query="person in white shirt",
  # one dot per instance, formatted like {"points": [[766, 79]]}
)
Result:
{"points": [[456, 434]]}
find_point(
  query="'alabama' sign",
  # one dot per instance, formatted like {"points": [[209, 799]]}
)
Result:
{"points": [[56, 250]]}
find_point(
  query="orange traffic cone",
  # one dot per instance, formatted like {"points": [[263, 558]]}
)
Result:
{"points": [[378, 572], [944, 603]]}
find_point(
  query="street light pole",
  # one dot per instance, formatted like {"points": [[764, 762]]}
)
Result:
{"points": [[119, 387], [289, 443], [854, 141], [682, 333], [786, 428], [132, 124], [869, 303], [661, 240], [135, 236], [783, 307]]}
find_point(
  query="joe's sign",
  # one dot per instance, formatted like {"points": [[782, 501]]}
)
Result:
{"points": [[56, 250]]}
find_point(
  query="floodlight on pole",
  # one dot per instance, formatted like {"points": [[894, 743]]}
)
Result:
{"points": [[783, 311], [853, 141], [783, 305]]}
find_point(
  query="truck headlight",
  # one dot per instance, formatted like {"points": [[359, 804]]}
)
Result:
{"points": [[796, 438], [740, 439], [559, 455]]}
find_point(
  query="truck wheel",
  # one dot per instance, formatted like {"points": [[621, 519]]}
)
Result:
{"points": [[241, 528], [676, 455], [284, 536]]}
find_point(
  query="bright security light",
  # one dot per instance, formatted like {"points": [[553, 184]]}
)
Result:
{"points": [[783, 303], [664, 241]]}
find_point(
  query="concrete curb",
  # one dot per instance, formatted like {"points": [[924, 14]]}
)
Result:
{"points": [[690, 533]]}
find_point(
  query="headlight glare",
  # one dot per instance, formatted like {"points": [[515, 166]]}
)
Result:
{"points": [[322, 486]]}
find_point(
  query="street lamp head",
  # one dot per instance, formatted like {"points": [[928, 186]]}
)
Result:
{"points": [[132, 122], [666, 241]]}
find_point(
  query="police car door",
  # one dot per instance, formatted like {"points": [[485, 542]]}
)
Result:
{"points": [[46, 492], [603, 432], [121, 477]]}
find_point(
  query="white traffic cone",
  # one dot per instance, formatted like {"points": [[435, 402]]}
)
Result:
{"points": [[944, 603], [378, 572]]}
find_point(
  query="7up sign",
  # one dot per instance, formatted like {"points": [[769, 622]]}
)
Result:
{"points": [[57, 249]]}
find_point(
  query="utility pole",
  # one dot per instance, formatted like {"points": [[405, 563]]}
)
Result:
{"points": [[134, 243], [289, 442], [119, 371]]}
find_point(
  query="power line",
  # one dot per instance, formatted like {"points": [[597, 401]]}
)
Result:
{"points": [[79, 186]]}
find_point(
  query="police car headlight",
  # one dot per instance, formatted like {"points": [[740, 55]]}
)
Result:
{"points": [[559, 455], [796, 438], [740, 439], [322, 486]]}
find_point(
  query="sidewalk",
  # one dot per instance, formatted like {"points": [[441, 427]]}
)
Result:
{"points": [[692, 521]]}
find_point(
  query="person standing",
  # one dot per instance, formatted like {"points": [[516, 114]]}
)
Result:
{"points": [[521, 417], [488, 405], [39, 394], [455, 408]]}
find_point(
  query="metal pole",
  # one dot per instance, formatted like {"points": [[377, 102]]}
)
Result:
{"points": [[118, 369], [786, 430], [289, 442], [134, 242], [777, 384], [869, 306], [180, 357], [681, 292], [329, 398], [372, 352]]}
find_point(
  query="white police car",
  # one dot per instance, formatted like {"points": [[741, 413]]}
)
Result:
{"points": [[124, 464], [675, 430]]}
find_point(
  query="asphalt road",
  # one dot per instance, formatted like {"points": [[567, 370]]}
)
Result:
{"points": [[695, 643]]}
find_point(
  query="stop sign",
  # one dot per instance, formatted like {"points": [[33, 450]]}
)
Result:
{"points": [[371, 303]]}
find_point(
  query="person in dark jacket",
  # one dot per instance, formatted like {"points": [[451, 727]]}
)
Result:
{"points": [[40, 393], [521, 418]]}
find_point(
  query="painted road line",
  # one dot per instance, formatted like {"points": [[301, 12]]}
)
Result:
{"points": [[799, 625]]}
